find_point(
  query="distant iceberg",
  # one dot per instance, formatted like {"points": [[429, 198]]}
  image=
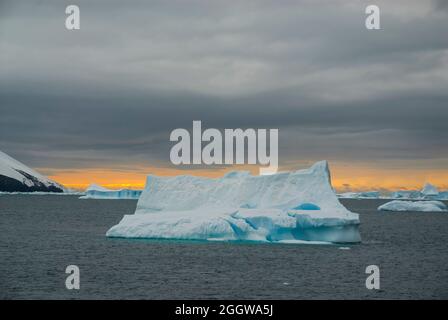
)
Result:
{"points": [[443, 195], [406, 194], [291, 207], [428, 192], [360, 195], [426, 206], [98, 192]]}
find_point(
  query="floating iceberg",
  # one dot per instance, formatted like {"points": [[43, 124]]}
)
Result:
{"points": [[407, 194], [427, 206], [98, 192], [429, 190], [360, 195], [443, 195], [285, 207]]}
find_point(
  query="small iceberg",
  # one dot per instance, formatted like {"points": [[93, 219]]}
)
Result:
{"points": [[429, 190], [98, 192], [407, 194], [424, 206], [289, 207]]}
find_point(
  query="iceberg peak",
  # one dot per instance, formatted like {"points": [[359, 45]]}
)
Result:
{"points": [[429, 190], [96, 187]]}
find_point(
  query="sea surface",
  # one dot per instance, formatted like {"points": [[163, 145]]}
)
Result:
{"points": [[41, 235]]}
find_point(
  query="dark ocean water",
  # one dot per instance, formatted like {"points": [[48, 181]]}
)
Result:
{"points": [[41, 235]]}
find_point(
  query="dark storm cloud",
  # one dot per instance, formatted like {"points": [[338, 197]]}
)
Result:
{"points": [[111, 92]]}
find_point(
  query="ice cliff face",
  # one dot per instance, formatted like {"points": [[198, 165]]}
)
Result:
{"points": [[17, 177], [98, 192], [293, 206]]}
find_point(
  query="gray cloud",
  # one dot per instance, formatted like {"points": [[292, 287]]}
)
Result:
{"points": [[441, 5], [111, 92]]}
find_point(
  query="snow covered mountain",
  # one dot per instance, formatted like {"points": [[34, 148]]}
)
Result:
{"points": [[17, 177]]}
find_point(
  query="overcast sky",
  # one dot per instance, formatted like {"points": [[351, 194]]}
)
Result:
{"points": [[112, 92]]}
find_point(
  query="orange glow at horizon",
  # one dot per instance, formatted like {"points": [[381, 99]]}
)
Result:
{"points": [[344, 178], [115, 179], [365, 178]]}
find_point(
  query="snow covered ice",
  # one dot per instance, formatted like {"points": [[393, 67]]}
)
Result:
{"points": [[98, 192], [426, 206], [285, 207]]}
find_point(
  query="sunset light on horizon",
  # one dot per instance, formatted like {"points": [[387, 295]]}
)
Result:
{"points": [[344, 178]]}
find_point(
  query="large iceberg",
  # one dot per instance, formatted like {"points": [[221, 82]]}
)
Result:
{"points": [[426, 206], [285, 207], [98, 192]]}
